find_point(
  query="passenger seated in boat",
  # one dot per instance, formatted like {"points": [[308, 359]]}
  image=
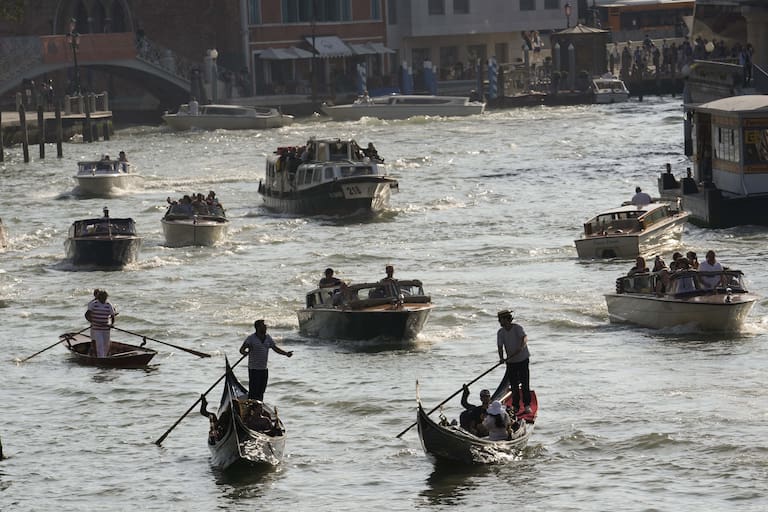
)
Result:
{"points": [[710, 264], [214, 431], [329, 280], [662, 282], [675, 257], [255, 418], [497, 422], [693, 260], [371, 152], [471, 419], [639, 268], [342, 295]]}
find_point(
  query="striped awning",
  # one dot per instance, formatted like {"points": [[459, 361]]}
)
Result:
{"points": [[291, 53], [370, 48], [329, 46]]}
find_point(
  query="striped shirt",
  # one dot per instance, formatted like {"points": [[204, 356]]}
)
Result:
{"points": [[258, 351], [100, 313]]}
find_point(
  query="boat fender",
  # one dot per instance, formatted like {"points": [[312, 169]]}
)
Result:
{"points": [[620, 285]]}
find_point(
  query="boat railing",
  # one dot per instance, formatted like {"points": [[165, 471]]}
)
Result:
{"points": [[682, 283]]}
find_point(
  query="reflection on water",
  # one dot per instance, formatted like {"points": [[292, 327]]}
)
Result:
{"points": [[449, 482], [242, 482]]}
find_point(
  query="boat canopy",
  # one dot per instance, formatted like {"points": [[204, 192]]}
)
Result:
{"points": [[683, 283]]}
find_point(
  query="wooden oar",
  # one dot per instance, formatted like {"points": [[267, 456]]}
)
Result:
{"points": [[162, 437], [195, 352], [486, 372], [46, 348]]}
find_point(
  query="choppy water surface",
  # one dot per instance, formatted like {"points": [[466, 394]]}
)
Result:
{"points": [[486, 216]]}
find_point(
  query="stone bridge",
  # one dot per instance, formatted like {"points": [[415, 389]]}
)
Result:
{"points": [[163, 73]]}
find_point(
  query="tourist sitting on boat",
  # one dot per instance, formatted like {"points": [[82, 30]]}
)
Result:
{"points": [[214, 431], [660, 268], [342, 295], [471, 419], [371, 152], [641, 198], [254, 416], [693, 260], [639, 268], [329, 280], [676, 256], [497, 422]]}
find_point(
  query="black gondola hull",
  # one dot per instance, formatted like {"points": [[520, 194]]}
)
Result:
{"points": [[103, 252], [400, 324]]}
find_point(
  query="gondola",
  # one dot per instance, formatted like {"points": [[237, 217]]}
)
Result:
{"points": [[232, 443], [447, 441], [121, 355]]}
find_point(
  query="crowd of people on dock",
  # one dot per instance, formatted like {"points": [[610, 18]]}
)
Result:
{"points": [[646, 60]]}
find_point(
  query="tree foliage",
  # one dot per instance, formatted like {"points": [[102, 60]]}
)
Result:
{"points": [[12, 10]]}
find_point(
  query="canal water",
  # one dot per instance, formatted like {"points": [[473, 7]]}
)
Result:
{"points": [[486, 216]]}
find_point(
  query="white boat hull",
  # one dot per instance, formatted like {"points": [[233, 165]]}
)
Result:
{"points": [[179, 233], [104, 184], [182, 122], [405, 106], [611, 97], [706, 312], [630, 245]]}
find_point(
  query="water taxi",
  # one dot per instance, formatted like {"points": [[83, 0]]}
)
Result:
{"points": [[403, 106]]}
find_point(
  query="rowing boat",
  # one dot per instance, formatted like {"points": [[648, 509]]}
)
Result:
{"points": [[235, 442], [121, 355]]}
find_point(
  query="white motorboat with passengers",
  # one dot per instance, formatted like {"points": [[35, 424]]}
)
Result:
{"points": [[630, 231], [226, 117], [194, 224], [609, 89], [703, 300], [403, 106], [101, 178]]}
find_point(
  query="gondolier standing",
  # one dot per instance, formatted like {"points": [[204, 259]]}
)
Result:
{"points": [[257, 347], [511, 338], [101, 314]]}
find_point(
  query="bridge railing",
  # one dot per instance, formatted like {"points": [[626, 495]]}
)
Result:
{"points": [[164, 58]]}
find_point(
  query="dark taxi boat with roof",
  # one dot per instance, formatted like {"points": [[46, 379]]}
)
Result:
{"points": [[393, 309], [630, 231], [104, 242], [328, 177]]}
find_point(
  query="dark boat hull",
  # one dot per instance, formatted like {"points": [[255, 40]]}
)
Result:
{"points": [[399, 324], [366, 194], [114, 252], [451, 443], [239, 446], [121, 355]]}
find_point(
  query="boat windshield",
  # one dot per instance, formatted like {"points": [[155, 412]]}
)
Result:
{"points": [[98, 227], [683, 283], [200, 209]]}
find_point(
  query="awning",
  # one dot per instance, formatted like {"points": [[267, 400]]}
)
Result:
{"points": [[370, 48], [329, 46], [285, 54]]}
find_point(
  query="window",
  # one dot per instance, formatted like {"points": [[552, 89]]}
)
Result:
{"points": [[436, 7], [301, 11], [375, 9], [477, 51], [460, 6], [501, 52], [552, 4], [254, 12], [727, 144], [527, 5]]}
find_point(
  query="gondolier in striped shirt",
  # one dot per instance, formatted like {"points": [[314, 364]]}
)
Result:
{"points": [[257, 346], [101, 314]]}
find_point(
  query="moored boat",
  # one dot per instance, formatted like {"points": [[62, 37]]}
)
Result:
{"points": [[121, 355], [194, 224], [447, 441], [609, 89], [226, 117], [702, 300], [393, 309], [630, 231], [403, 106], [326, 176], [237, 440], [102, 178], [104, 242]]}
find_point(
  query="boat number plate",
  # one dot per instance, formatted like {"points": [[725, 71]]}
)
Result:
{"points": [[353, 191]]}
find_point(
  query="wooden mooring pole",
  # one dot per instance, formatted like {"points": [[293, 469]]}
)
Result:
{"points": [[59, 131], [24, 133], [88, 128], [41, 130], [2, 154]]}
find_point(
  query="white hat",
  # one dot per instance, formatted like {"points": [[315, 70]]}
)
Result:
{"points": [[495, 408]]}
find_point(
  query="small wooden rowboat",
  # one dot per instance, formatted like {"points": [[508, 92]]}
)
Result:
{"points": [[121, 355]]}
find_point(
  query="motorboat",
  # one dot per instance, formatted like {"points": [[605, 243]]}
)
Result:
{"points": [[236, 442], [631, 230], [403, 106], [703, 300], [392, 309], [609, 89], [226, 117], [121, 355], [326, 176], [448, 441], [194, 224], [103, 242], [102, 178]]}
